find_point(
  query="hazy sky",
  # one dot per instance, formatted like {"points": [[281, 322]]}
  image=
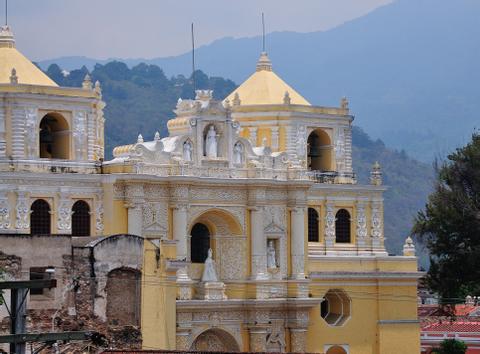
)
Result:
{"points": [[155, 28]]}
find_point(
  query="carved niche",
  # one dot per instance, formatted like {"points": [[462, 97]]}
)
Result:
{"points": [[275, 230]]}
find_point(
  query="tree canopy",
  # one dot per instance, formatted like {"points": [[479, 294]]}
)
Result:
{"points": [[450, 225], [451, 346]]}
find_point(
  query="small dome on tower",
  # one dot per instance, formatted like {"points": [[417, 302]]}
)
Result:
{"points": [[265, 87]]}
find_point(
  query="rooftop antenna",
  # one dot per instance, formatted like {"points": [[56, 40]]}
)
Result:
{"points": [[263, 33], [6, 12], [193, 61]]}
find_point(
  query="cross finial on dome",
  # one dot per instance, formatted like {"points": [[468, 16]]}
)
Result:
{"points": [[264, 62]]}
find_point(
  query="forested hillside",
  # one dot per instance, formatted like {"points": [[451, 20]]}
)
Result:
{"points": [[141, 100], [409, 68]]}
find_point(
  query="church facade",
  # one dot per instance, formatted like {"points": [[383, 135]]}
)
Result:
{"points": [[244, 229]]}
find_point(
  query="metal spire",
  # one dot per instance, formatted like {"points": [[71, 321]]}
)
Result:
{"points": [[193, 61], [263, 33], [6, 12]]}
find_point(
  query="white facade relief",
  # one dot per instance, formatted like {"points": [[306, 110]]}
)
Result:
{"points": [[4, 211], [22, 210], [64, 222]]}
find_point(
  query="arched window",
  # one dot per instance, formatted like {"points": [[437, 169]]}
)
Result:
{"points": [[40, 218], [319, 151], [342, 226], [313, 234], [200, 243], [54, 137], [80, 219]]}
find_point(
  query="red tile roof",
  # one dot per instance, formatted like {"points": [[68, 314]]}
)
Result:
{"points": [[455, 326]]}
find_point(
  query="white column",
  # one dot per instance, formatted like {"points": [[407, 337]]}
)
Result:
{"points": [[298, 243], [180, 230], [135, 215], [259, 245]]}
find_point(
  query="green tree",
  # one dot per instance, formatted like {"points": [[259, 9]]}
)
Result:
{"points": [[451, 346], [450, 225]]}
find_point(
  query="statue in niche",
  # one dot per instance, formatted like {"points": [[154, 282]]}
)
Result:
{"points": [[238, 154], [271, 255], [209, 273], [211, 143], [187, 151]]}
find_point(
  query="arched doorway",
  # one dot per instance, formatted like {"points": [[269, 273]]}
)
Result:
{"points": [[217, 340], [80, 219], [336, 349], [222, 232], [54, 137], [123, 297], [320, 151], [40, 218]]}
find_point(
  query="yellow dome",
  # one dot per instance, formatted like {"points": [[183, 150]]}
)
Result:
{"points": [[10, 58], [265, 87]]}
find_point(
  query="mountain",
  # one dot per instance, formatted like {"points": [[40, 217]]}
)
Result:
{"points": [[410, 70], [141, 100]]}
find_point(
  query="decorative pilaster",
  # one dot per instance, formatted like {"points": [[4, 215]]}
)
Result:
{"points": [[99, 226], [79, 133], [361, 229], [253, 135], [183, 339], [259, 244], [329, 225], [180, 230], [4, 211], [298, 340], [31, 134], [22, 210], [298, 243], [275, 142], [258, 338], [135, 200], [18, 133], [3, 138], [377, 227], [64, 221]]}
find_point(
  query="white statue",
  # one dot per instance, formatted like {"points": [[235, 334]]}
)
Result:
{"points": [[209, 273], [211, 143], [187, 151], [271, 259], [238, 154]]}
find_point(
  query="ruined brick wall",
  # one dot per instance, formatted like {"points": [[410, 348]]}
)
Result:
{"points": [[81, 286], [123, 292]]}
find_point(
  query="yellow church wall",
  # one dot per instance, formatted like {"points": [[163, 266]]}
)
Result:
{"points": [[372, 307], [399, 338], [114, 212], [363, 264], [158, 302]]}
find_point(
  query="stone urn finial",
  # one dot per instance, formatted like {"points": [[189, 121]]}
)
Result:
{"points": [[87, 82], [409, 247], [376, 175]]}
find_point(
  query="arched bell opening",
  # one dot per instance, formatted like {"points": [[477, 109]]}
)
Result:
{"points": [[320, 151], [54, 137]]}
